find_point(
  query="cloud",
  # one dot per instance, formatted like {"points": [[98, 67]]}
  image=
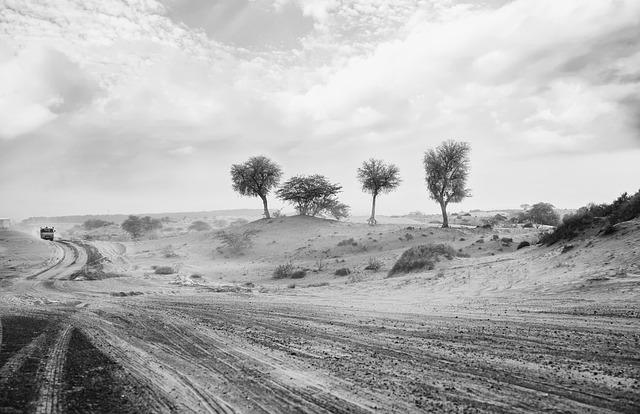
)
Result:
{"points": [[37, 85], [139, 94]]}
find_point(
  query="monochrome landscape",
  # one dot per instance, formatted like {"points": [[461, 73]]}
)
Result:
{"points": [[319, 206]]}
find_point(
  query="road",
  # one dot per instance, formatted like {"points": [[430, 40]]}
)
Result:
{"points": [[69, 350]]}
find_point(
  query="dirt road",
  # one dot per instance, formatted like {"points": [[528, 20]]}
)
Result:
{"points": [[65, 349]]}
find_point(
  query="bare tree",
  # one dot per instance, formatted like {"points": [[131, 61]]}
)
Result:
{"points": [[447, 168], [256, 178], [378, 177]]}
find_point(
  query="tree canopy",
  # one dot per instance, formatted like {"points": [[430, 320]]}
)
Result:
{"points": [[256, 177], [377, 177], [313, 195], [137, 226], [446, 171]]}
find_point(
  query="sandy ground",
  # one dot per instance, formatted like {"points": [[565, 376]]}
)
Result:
{"points": [[502, 330]]}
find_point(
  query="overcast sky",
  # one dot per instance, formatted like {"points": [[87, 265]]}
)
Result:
{"points": [[131, 106]]}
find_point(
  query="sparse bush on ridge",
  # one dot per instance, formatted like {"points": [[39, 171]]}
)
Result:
{"points": [[624, 208], [422, 257]]}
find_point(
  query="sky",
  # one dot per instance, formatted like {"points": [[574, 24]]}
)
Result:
{"points": [[142, 106]]}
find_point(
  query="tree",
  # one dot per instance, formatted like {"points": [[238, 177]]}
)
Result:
{"points": [[543, 213], [313, 195], [256, 178], [377, 177], [137, 226], [447, 168]]}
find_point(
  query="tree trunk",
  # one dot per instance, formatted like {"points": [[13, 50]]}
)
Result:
{"points": [[372, 219], [266, 209], [445, 219]]}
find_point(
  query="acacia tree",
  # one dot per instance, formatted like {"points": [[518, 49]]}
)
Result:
{"points": [[378, 177], [256, 177], [447, 168], [313, 195], [137, 226], [543, 213]]}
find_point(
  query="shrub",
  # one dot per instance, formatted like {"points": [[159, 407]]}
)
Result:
{"points": [[348, 242], [506, 241], [342, 272], [422, 257], [283, 271], [624, 208], [374, 264], [523, 244], [200, 225], [164, 270], [298, 274], [95, 224], [236, 241]]}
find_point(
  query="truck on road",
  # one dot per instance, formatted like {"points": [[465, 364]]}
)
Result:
{"points": [[46, 233]]}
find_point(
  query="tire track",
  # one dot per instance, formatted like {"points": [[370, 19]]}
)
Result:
{"points": [[16, 361], [49, 394]]}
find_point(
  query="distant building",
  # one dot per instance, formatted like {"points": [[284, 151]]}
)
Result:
{"points": [[4, 223]]}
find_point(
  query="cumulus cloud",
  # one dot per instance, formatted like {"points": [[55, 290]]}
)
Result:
{"points": [[139, 84], [37, 85]]}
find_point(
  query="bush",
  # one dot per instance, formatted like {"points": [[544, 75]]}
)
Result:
{"points": [[523, 244], [374, 264], [624, 208], [283, 271], [422, 257], [95, 224], [288, 271], [506, 241], [200, 225], [342, 272], [347, 242], [236, 241], [164, 270], [298, 274]]}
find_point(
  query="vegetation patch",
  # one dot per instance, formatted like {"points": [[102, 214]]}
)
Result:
{"points": [[422, 257], [342, 272], [288, 271], [599, 216], [347, 242], [374, 264], [164, 270]]}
